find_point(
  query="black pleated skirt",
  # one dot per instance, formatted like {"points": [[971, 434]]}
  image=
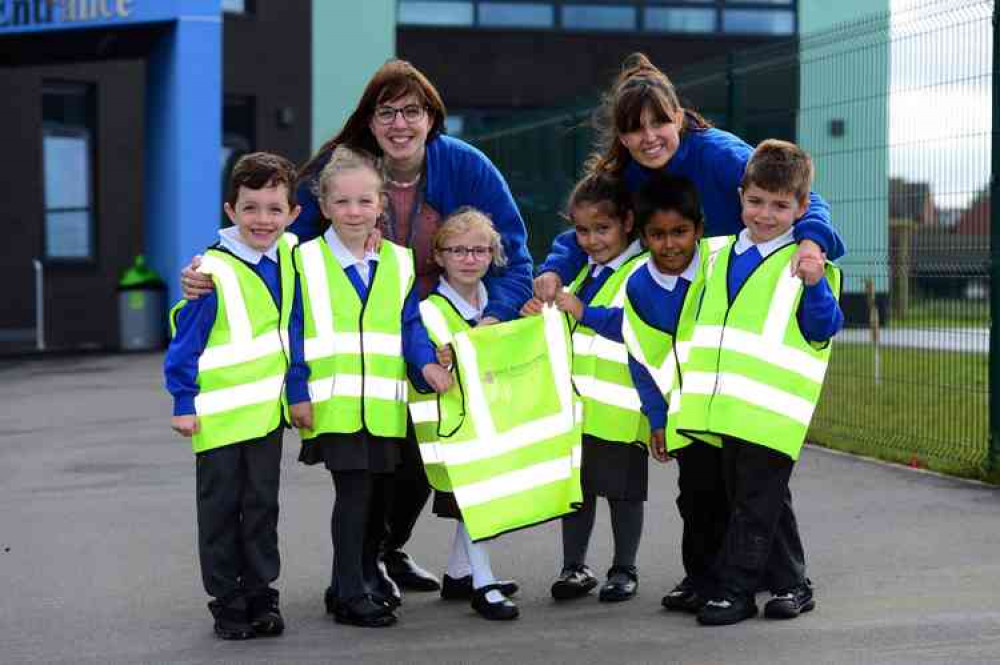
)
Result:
{"points": [[353, 452], [614, 470]]}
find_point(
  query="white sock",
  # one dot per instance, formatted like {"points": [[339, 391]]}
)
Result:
{"points": [[458, 561], [479, 560]]}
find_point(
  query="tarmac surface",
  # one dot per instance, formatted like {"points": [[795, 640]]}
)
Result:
{"points": [[98, 559]]}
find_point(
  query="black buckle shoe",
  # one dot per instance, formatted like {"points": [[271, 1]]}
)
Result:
{"points": [[265, 614], [683, 598], [791, 603], [727, 610], [573, 582], [363, 611], [622, 583], [407, 574], [460, 588], [503, 610], [231, 620], [386, 588]]}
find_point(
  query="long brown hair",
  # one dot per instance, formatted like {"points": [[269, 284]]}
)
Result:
{"points": [[394, 79], [639, 86]]}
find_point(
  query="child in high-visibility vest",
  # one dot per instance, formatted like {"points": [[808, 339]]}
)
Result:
{"points": [[661, 302], [615, 460], [758, 356], [465, 247], [361, 329], [229, 371]]}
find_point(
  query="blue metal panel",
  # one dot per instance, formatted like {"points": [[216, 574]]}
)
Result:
{"points": [[26, 16]]}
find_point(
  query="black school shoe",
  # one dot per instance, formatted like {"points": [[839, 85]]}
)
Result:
{"points": [[573, 582], [363, 611], [231, 620], [386, 588], [683, 598], [407, 574], [460, 588], [503, 610], [790, 603], [265, 615], [727, 610], [622, 583]]}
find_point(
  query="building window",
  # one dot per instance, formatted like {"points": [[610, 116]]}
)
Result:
{"points": [[516, 15], [598, 17], [68, 165], [418, 12], [758, 21], [235, 6], [238, 131], [677, 19]]}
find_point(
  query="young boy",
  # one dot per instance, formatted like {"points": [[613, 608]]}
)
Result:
{"points": [[758, 356], [226, 368], [661, 302]]}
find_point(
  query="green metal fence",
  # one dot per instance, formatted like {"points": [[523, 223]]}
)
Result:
{"points": [[896, 111]]}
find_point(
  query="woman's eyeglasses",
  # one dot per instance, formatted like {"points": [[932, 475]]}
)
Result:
{"points": [[460, 251], [385, 115]]}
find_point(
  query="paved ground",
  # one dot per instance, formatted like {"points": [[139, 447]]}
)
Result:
{"points": [[98, 563]]}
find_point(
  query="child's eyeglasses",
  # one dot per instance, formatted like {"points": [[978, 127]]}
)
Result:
{"points": [[385, 115], [460, 252]]}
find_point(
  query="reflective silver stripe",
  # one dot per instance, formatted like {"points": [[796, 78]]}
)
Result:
{"points": [[235, 353], [577, 454], [665, 375], [327, 344], [350, 385], [595, 345], [240, 331], [429, 453], [780, 311], [435, 322], [607, 393], [515, 482], [247, 394], [406, 271], [319, 299], [750, 391], [759, 347], [424, 411]]}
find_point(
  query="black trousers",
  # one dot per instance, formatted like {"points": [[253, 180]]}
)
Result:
{"points": [[357, 528], [237, 503], [762, 543], [405, 495], [704, 509]]}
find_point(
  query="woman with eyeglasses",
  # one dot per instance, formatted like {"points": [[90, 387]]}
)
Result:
{"points": [[428, 175]]}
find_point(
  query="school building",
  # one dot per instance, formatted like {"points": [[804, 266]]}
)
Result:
{"points": [[120, 118]]}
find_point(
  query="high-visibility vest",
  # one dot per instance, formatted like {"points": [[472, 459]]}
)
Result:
{"points": [[509, 440], [442, 322], [611, 406], [354, 350], [241, 371], [662, 354], [751, 373]]}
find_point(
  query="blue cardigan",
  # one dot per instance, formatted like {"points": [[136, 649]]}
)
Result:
{"points": [[460, 175], [714, 160]]}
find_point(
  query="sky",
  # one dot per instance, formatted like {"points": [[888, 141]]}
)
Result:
{"points": [[940, 104]]}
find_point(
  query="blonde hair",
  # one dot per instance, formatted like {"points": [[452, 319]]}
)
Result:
{"points": [[469, 219], [345, 159]]}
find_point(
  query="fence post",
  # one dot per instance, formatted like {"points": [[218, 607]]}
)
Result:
{"points": [[993, 455]]}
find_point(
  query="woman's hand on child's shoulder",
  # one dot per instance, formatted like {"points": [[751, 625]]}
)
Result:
{"points": [[185, 425], [193, 283], [373, 243], [437, 377], [533, 307], [302, 415]]}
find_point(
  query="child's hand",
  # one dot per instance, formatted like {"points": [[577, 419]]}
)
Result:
{"points": [[547, 285], [445, 356], [185, 425], [488, 321], [193, 283], [532, 307], [811, 269], [569, 303], [302, 415], [437, 377], [373, 243], [807, 250], [658, 446]]}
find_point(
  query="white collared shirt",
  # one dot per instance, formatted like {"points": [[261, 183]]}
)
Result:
{"points": [[669, 282], [743, 243], [231, 239], [466, 310], [346, 259], [617, 262]]}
